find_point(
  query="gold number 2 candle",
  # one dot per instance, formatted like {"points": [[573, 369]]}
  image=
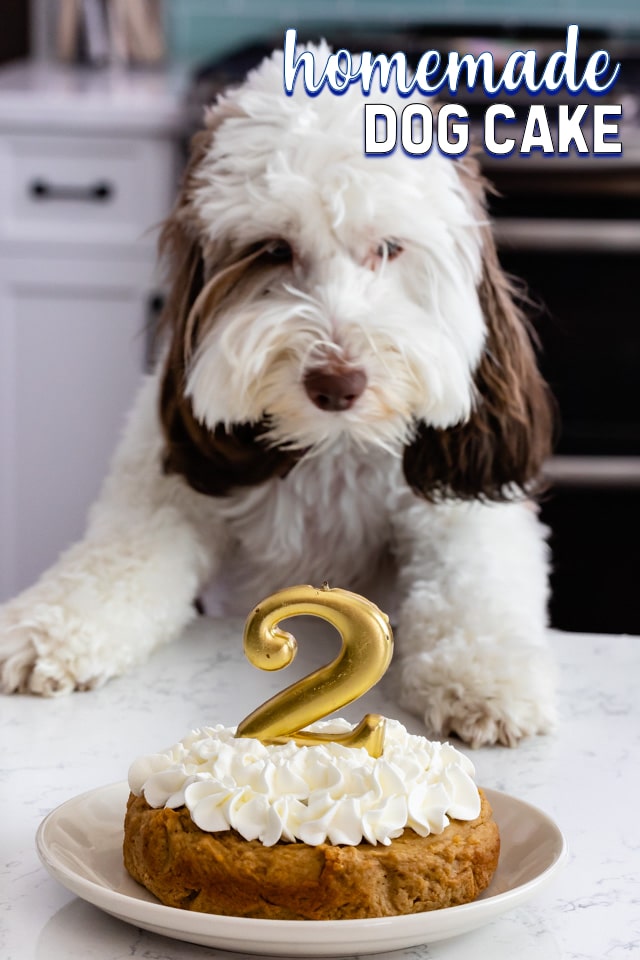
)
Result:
{"points": [[367, 646]]}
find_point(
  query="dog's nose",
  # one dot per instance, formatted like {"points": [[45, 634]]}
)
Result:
{"points": [[335, 388]]}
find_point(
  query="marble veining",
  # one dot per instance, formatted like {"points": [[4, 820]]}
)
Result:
{"points": [[585, 776]]}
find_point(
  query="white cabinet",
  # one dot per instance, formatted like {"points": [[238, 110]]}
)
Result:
{"points": [[80, 194], [71, 352]]}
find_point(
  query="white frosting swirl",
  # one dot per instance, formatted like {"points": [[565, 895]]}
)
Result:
{"points": [[312, 793]]}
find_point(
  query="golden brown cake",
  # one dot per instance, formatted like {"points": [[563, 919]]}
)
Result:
{"points": [[220, 826], [225, 874]]}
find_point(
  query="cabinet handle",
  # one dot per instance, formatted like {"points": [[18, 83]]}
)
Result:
{"points": [[99, 192], [155, 306]]}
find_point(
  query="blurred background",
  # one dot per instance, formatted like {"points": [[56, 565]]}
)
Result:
{"points": [[98, 99]]}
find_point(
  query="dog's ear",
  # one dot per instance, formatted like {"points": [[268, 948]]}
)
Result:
{"points": [[498, 452], [212, 461]]}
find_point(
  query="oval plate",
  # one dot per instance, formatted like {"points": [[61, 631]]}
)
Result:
{"points": [[80, 844]]}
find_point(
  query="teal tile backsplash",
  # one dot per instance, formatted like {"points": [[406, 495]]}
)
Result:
{"points": [[199, 30]]}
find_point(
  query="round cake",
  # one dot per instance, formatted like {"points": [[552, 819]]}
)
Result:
{"points": [[232, 826]]}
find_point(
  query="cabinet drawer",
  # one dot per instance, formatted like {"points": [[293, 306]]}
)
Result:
{"points": [[87, 189]]}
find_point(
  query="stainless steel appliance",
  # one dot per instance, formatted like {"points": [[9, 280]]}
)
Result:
{"points": [[570, 229]]}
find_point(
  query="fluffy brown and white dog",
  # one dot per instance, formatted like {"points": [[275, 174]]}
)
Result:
{"points": [[348, 393]]}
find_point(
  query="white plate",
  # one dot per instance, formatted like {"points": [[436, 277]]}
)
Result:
{"points": [[80, 844]]}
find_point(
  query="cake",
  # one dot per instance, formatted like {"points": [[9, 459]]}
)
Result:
{"points": [[237, 827]]}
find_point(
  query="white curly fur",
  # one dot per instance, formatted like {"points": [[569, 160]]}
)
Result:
{"points": [[467, 579]]}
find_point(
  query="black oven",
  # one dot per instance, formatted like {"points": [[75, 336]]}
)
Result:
{"points": [[570, 231]]}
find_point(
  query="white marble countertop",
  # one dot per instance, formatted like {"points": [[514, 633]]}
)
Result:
{"points": [[585, 777]]}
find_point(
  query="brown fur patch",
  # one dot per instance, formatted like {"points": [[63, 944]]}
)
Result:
{"points": [[215, 461], [500, 449]]}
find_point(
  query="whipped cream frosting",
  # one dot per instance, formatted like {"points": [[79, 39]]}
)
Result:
{"points": [[316, 794]]}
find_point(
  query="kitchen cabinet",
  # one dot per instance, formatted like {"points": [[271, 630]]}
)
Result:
{"points": [[88, 167]]}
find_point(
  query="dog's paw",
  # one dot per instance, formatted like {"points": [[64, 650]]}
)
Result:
{"points": [[33, 655], [485, 722], [482, 700], [17, 652]]}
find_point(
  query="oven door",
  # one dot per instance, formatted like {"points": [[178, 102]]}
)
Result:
{"points": [[571, 234]]}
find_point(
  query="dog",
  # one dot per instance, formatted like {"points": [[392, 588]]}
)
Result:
{"points": [[347, 393]]}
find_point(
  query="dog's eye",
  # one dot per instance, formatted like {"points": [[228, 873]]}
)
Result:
{"points": [[278, 251], [389, 249]]}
